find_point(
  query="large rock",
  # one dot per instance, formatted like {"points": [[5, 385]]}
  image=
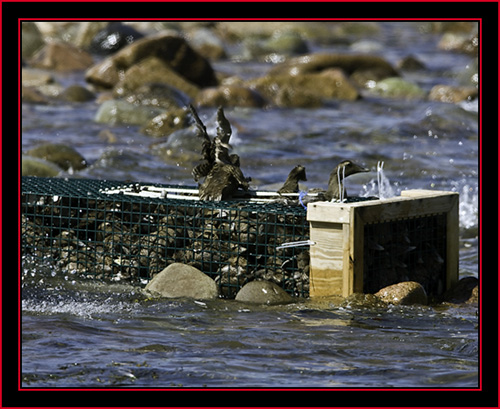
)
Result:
{"points": [[405, 293], [230, 95], [31, 39], [306, 89], [396, 87], [466, 290], [181, 280], [62, 155], [172, 50], [263, 292], [350, 64]]}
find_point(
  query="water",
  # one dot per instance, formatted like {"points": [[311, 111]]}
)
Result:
{"points": [[78, 333]]}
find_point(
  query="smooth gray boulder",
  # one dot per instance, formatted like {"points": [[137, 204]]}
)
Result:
{"points": [[263, 292], [181, 280]]}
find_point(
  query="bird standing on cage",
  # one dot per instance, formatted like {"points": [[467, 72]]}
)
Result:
{"points": [[291, 185], [221, 170], [336, 189]]}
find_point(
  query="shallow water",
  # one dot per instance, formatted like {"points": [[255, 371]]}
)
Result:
{"points": [[78, 333]]}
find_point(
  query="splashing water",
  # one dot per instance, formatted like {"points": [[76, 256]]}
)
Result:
{"points": [[385, 189]]}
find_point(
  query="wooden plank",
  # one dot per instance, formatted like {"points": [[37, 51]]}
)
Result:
{"points": [[452, 244], [357, 247], [328, 212], [326, 265]]}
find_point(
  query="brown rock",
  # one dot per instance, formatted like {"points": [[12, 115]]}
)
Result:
{"points": [[466, 290], [229, 96], [451, 94], [172, 50], [405, 293]]}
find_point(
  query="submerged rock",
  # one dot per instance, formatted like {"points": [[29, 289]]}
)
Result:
{"points": [[405, 293], [181, 280], [263, 292]]}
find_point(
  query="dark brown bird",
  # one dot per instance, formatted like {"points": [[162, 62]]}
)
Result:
{"points": [[336, 181], [291, 184]]}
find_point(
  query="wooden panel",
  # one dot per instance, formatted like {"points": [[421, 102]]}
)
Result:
{"points": [[452, 245], [326, 265]]}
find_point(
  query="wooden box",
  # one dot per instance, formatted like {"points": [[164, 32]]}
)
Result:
{"points": [[365, 246]]}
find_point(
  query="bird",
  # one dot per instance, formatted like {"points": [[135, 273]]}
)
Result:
{"points": [[336, 189], [291, 184], [221, 170]]}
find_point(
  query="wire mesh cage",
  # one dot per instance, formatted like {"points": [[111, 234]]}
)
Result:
{"points": [[412, 249], [85, 229]]}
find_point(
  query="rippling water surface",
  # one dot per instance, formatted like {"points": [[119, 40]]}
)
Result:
{"points": [[78, 333]]}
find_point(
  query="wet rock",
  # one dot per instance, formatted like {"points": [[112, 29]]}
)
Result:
{"points": [[62, 155], [452, 94], [411, 63], [350, 64], [33, 96], [31, 166], [466, 290], [405, 293], [166, 123], [77, 93], [357, 300], [172, 50], [181, 280], [207, 44], [113, 37], [466, 43], [263, 292], [116, 111], [153, 70], [396, 87], [229, 96], [31, 77], [156, 95], [279, 45], [61, 56], [306, 89]]}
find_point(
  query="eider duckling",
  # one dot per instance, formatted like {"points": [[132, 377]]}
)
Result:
{"points": [[291, 184], [341, 171]]}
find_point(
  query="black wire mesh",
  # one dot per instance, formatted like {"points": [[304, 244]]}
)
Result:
{"points": [[412, 249], [86, 230]]}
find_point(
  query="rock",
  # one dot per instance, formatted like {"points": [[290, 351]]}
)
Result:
{"points": [[33, 96], [306, 89], [153, 71], [281, 43], [207, 44], [466, 290], [451, 94], [411, 63], [62, 155], [61, 56], [31, 39], [156, 95], [115, 111], [396, 87], [38, 167], [357, 300], [405, 293], [229, 96], [466, 43], [172, 50], [313, 63], [167, 123], [113, 37], [31, 77], [181, 280], [263, 292], [77, 93]]}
